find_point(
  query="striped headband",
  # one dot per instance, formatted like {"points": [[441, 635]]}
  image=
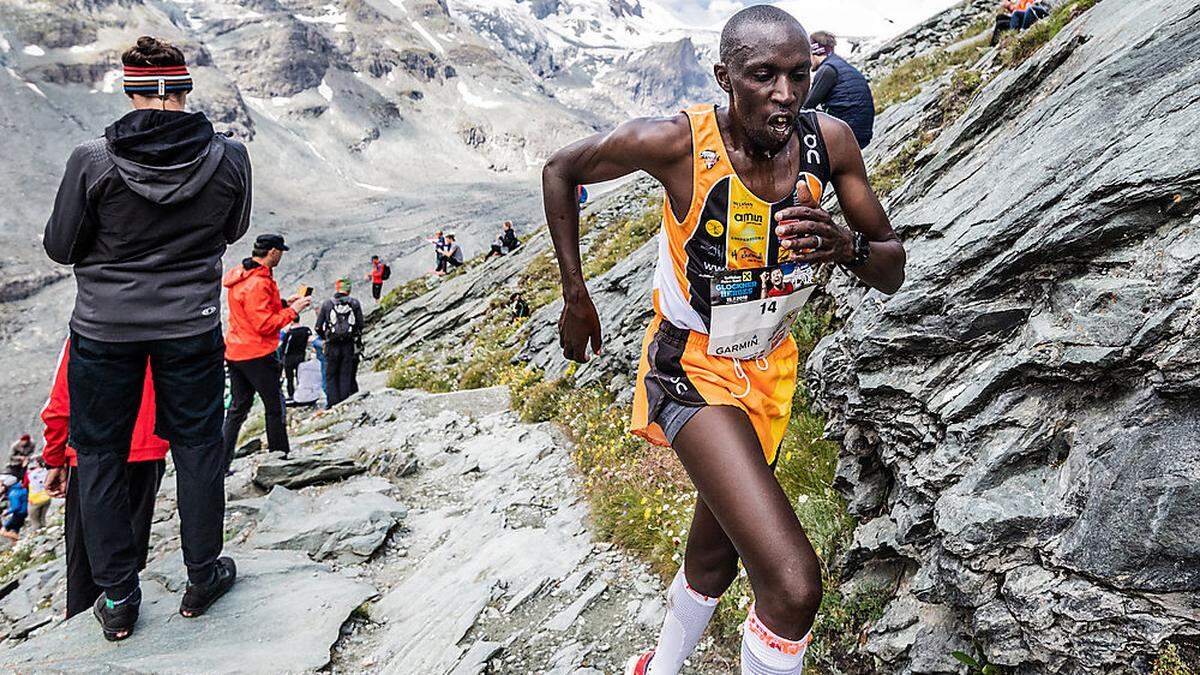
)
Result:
{"points": [[818, 49], [157, 80]]}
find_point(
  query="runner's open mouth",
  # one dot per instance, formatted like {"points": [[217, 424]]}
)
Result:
{"points": [[781, 122]]}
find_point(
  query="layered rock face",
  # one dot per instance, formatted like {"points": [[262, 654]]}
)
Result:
{"points": [[1020, 420]]}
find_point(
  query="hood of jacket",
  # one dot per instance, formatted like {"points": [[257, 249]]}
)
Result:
{"points": [[247, 270], [166, 156]]}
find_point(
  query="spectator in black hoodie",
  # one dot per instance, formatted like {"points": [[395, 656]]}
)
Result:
{"points": [[144, 214]]}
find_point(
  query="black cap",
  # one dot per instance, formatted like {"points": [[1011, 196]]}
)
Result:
{"points": [[267, 242]]}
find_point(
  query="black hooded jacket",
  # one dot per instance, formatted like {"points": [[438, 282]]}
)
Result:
{"points": [[144, 214]]}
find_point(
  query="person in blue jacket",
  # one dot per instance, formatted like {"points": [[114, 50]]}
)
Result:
{"points": [[18, 506], [840, 89]]}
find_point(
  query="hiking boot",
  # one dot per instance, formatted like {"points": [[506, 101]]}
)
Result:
{"points": [[199, 597], [117, 620]]}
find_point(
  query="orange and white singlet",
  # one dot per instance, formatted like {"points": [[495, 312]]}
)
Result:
{"points": [[726, 294]]}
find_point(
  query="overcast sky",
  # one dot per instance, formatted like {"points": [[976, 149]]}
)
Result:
{"points": [[862, 18]]}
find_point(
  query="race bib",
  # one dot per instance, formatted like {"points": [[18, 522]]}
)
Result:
{"points": [[754, 309]]}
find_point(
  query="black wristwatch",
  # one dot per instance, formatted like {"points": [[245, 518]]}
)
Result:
{"points": [[862, 252]]}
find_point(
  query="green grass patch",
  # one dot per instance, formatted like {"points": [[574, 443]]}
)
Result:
{"points": [[401, 294], [1018, 47], [18, 559], [1173, 661], [616, 242], [907, 79], [953, 102]]}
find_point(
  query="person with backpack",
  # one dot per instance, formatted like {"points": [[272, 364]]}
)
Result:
{"points": [[339, 323], [295, 349], [380, 273], [256, 315]]}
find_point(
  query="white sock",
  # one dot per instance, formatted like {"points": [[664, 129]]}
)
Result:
{"points": [[765, 653], [688, 613]]}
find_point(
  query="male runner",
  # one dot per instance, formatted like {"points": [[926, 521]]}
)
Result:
{"points": [[733, 176]]}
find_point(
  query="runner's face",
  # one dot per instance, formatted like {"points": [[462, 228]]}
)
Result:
{"points": [[767, 89], [777, 276]]}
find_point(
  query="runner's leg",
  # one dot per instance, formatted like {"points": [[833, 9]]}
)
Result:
{"points": [[710, 559], [710, 565], [721, 452]]}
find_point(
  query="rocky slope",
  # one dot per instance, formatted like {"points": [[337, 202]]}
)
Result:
{"points": [[370, 124], [1019, 420]]}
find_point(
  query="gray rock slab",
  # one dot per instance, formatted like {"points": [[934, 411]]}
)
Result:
{"points": [[347, 522], [475, 660], [570, 614], [300, 471], [1018, 421], [283, 615]]}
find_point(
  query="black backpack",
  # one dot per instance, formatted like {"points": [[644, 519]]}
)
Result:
{"points": [[296, 342], [387, 273], [341, 324]]}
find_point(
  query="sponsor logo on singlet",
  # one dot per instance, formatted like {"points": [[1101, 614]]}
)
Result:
{"points": [[710, 158], [749, 218], [750, 342], [715, 228]]}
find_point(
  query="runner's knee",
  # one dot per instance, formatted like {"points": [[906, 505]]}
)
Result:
{"points": [[789, 602]]}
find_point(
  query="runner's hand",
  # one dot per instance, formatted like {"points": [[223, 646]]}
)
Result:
{"points": [[812, 236], [56, 482], [300, 302], [579, 325]]}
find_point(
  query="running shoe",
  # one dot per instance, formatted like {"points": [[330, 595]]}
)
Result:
{"points": [[199, 597], [639, 665], [117, 621]]}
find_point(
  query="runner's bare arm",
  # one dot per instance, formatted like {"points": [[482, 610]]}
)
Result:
{"points": [[652, 145], [884, 269]]}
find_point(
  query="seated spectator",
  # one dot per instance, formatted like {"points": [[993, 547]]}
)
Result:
{"points": [[1018, 15], [22, 450], [452, 255], [840, 89], [18, 506], [506, 241], [518, 306], [439, 242]]}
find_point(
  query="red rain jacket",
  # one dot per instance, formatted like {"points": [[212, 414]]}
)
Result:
{"points": [[256, 312]]}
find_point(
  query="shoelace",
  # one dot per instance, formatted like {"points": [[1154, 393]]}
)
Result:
{"points": [[762, 364]]}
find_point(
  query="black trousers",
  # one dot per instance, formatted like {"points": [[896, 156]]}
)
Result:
{"points": [[341, 372], [376, 290], [143, 479], [247, 378], [105, 381], [289, 370]]}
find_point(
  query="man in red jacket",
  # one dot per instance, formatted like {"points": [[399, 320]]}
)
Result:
{"points": [[144, 471], [256, 315], [376, 277]]}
